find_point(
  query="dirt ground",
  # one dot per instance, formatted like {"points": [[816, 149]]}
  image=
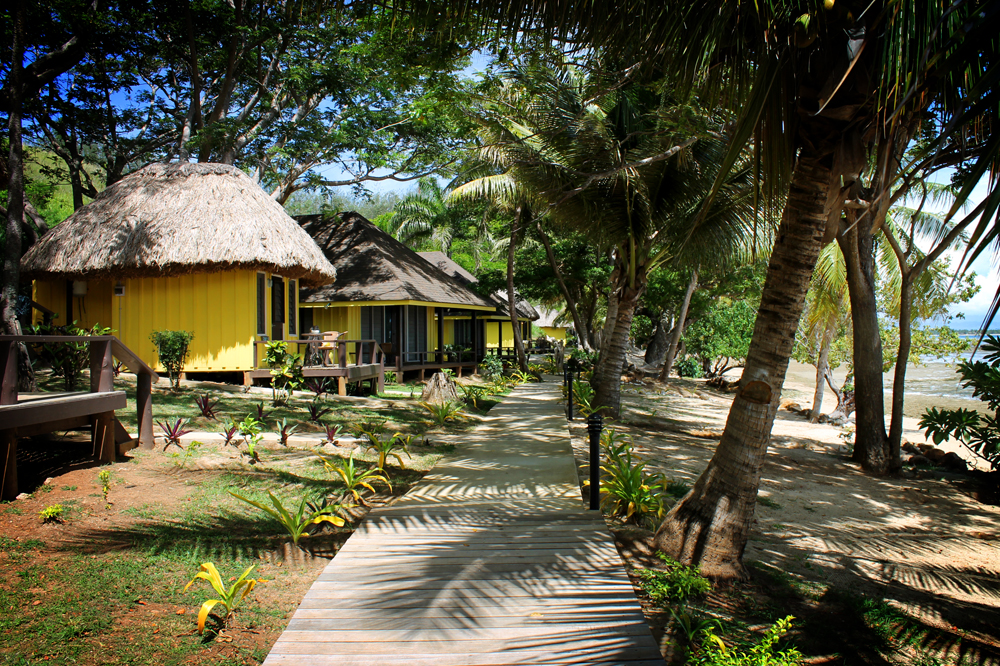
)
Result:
{"points": [[922, 541]]}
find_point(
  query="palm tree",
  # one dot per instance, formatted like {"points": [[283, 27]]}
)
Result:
{"points": [[816, 83], [645, 190], [424, 217]]}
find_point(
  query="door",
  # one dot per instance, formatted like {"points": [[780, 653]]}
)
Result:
{"points": [[277, 308]]}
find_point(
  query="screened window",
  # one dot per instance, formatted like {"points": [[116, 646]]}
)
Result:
{"points": [[416, 332], [261, 304], [293, 303], [373, 323]]}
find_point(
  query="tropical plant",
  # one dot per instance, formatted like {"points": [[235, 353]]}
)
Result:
{"points": [[52, 513], [676, 582], [206, 405], [286, 430], [473, 394], [332, 433], [583, 399], [286, 370], [229, 597], [172, 349], [229, 431], [692, 628], [390, 377], [714, 651], [250, 429], [262, 413], [299, 523], [384, 447], [444, 412], [172, 432], [689, 367], [628, 492], [104, 476], [318, 386], [67, 359], [491, 367], [316, 412], [980, 433], [355, 479]]}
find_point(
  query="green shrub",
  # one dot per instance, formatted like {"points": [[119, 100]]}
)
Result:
{"points": [[714, 652], [172, 350], [67, 359], [676, 583], [689, 367], [628, 492], [52, 513], [286, 370], [491, 367]]}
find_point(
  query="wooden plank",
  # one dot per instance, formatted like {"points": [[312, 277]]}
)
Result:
{"points": [[103, 437], [73, 423], [101, 367], [555, 641], [144, 409], [537, 611], [63, 407], [131, 361], [521, 658], [412, 624], [596, 631], [8, 372]]}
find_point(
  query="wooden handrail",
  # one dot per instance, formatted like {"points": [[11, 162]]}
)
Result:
{"points": [[102, 348], [340, 344]]}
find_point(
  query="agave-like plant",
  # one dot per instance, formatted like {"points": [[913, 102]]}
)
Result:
{"points": [[442, 413], [298, 523], [384, 447], [286, 430], [261, 412], [356, 479], [332, 433], [229, 431], [316, 412], [228, 597], [206, 405], [473, 394], [172, 432], [628, 491]]}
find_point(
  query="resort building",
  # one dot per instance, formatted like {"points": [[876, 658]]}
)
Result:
{"points": [[194, 247], [422, 318], [550, 329]]}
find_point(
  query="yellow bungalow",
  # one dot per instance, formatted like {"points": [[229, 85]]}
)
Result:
{"points": [[499, 336], [421, 317], [547, 323], [195, 247]]}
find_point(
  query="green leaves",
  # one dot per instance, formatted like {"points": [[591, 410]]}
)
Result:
{"points": [[355, 479], [228, 597], [172, 349], [442, 413], [302, 520]]}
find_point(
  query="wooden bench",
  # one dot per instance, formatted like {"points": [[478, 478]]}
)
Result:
{"points": [[38, 413]]}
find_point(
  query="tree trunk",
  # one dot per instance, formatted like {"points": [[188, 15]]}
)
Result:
{"points": [[822, 368], [522, 360], [899, 372], [611, 317], [581, 330], [675, 336], [871, 443], [607, 378], [711, 524], [656, 350]]}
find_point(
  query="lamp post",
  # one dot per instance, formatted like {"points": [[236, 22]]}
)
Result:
{"points": [[595, 424]]}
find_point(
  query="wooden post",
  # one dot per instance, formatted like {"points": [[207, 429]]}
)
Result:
{"points": [[381, 373], [144, 409], [8, 373], [104, 437], [341, 385], [101, 367], [8, 447], [475, 338], [342, 355]]}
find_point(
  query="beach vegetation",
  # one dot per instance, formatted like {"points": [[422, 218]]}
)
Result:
{"points": [[172, 349]]}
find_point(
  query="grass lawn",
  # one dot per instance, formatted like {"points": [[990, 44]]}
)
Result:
{"points": [[104, 585]]}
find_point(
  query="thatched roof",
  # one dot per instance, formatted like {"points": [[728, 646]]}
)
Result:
{"points": [[374, 266], [499, 299], [547, 318], [175, 219]]}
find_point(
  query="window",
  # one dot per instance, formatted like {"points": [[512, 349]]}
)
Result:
{"points": [[416, 332], [293, 302], [261, 304], [373, 323]]}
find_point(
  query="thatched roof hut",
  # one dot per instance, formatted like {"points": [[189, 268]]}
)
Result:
{"points": [[499, 299], [176, 219], [373, 266]]}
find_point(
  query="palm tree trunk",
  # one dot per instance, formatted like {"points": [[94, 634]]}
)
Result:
{"points": [[581, 330], [711, 524], [611, 317], [607, 378], [675, 335], [522, 360], [822, 367], [899, 372], [870, 440]]}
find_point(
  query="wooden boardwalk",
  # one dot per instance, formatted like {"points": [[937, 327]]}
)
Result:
{"points": [[492, 559]]}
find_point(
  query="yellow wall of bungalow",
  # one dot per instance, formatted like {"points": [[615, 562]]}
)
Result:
{"points": [[554, 332], [219, 308], [492, 333]]}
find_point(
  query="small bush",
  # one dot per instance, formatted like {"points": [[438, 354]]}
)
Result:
{"points": [[52, 513], [677, 583], [491, 367], [172, 350], [689, 367], [714, 651]]}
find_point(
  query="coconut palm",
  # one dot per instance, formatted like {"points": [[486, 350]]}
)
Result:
{"points": [[816, 84], [621, 167]]}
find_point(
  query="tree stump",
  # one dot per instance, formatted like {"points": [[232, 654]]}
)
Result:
{"points": [[439, 390]]}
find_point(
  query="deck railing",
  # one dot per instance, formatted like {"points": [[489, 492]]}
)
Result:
{"points": [[102, 349], [319, 353]]}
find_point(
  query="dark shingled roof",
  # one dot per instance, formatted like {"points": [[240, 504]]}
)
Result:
{"points": [[374, 266], [524, 309]]}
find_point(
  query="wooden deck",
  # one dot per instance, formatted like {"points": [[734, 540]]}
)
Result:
{"points": [[490, 560]]}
